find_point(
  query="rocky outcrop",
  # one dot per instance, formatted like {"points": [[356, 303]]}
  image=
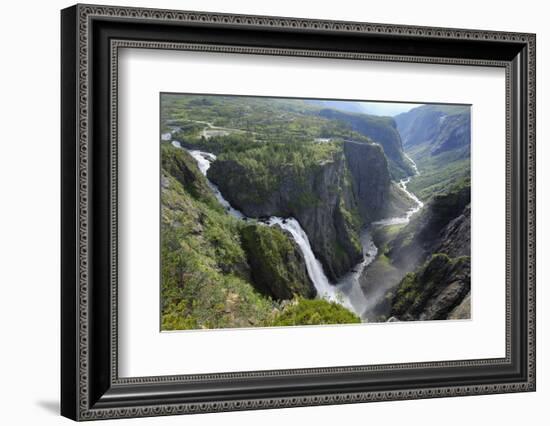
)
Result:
{"points": [[419, 125], [454, 135], [443, 226], [277, 264], [463, 310], [454, 240], [434, 291], [382, 130], [320, 198], [439, 240], [179, 164]]}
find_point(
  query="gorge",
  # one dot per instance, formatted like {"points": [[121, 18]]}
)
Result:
{"points": [[346, 290], [305, 207]]}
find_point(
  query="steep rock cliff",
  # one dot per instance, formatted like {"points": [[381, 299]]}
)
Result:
{"points": [[443, 226], [434, 291], [371, 179], [319, 196], [382, 130]]}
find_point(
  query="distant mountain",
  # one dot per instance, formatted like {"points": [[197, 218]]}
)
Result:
{"points": [[438, 138], [382, 130], [430, 122]]}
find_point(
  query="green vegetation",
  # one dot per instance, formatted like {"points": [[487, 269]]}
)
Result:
{"points": [[382, 130], [234, 123], [180, 165], [206, 259], [277, 264], [438, 172], [204, 268], [332, 171], [313, 312], [381, 235], [267, 165]]}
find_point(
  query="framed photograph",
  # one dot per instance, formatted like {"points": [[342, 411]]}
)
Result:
{"points": [[263, 212]]}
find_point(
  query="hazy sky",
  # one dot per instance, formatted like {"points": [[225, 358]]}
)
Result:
{"points": [[387, 108], [375, 108]]}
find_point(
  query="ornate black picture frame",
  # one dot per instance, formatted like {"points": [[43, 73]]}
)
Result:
{"points": [[91, 36]]}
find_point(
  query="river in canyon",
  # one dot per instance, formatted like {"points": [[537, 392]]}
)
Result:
{"points": [[347, 290]]}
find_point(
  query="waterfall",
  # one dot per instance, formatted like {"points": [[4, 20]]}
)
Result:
{"points": [[204, 159], [347, 291], [313, 266]]}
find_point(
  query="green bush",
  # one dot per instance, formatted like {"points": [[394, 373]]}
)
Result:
{"points": [[313, 312]]}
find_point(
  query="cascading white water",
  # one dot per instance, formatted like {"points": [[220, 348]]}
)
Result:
{"points": [[347, 291], [313, 266], [413, 210], [349, 284], [415, 167], [204, 159]]}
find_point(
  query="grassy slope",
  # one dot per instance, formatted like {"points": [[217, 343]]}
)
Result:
{"points": [[249, 119], [204, 270]]}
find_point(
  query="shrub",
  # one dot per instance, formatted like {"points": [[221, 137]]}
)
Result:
{"points": [[313, 312]]}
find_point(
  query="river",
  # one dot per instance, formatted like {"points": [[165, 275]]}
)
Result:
{"points": [[347, 291]]}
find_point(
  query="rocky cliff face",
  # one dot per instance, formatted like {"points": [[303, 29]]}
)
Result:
{"points": [[382, 130], [454, 240], [454, 135], [442, 227], [371, 179], [419, 125], [434, 291], [320, 198], [331, 199], [441, 245]]}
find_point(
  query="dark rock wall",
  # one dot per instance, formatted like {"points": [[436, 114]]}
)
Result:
{"points": [[382, 130], [322, 201], [371, 179]]}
